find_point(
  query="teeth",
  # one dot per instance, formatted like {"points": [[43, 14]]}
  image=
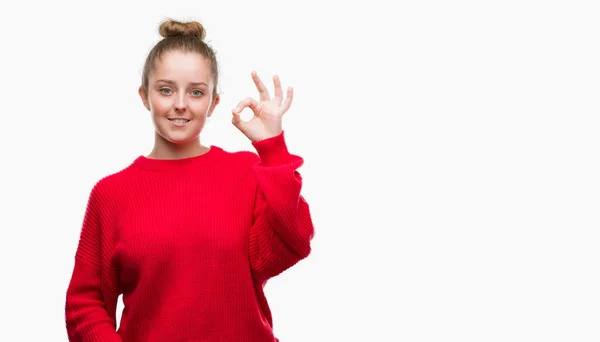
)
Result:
{"points": [[179, 120]]}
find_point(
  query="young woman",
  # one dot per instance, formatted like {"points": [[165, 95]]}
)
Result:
{"points": [[190, 234]]}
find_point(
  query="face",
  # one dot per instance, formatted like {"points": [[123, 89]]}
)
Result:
{"points": [[180, 96]]}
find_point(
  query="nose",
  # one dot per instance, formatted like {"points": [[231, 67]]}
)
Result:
{"points": [[180, 104]]}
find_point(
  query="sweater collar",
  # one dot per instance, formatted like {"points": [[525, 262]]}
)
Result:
{"points": [[177, 164]]}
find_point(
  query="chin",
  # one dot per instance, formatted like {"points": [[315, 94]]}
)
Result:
{"points": [[179, 139]]}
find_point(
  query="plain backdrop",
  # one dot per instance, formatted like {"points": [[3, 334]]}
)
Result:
{"points": [[451, 157]]}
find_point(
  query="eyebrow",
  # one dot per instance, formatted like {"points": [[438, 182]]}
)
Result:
{"points": [[171, 82]]}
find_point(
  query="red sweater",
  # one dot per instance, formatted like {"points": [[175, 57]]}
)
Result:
{"points": [[190, 244]]}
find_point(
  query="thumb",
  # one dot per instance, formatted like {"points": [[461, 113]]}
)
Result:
{"points": [[237, 120]]}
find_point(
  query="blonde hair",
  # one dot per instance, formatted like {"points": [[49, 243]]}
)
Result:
{"points": [[183, 37]]}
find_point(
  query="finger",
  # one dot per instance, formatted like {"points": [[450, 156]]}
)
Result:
{"points": [[247, 102], [288, 100], [262, 90], [278, 92], [237, 121]]}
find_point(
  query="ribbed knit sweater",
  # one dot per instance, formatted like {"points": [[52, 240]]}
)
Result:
{"points": [[190, 244]]}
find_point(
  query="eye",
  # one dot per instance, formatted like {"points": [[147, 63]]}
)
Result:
{"points": [[197, 92], [165, 91]]}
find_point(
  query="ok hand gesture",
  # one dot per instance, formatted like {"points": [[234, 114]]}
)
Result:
{"points": [[268, 113]]}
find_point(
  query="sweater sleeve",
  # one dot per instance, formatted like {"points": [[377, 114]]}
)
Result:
{"points": [[92, 294], [282, 229]]}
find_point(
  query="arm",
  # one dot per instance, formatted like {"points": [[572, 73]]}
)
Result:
{"points": [[92, 294], [282, 229]]}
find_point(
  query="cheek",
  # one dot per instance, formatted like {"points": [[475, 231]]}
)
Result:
{"points": [[201, 105], [159, 104]]}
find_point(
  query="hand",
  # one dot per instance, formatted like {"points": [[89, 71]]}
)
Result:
{"points": [[268, 113]]}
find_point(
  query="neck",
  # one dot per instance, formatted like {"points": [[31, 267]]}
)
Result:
{"points": [[164, 149]]}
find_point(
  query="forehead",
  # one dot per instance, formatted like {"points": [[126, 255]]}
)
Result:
{"points": [[182, 67]]}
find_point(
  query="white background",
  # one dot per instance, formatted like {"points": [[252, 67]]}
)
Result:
{"points": [[451, 157]]}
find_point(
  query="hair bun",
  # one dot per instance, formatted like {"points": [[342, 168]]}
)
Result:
{"points": [[174, 28]]}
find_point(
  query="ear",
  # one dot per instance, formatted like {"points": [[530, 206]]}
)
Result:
{"points": [[144, 97], [215, 102]]}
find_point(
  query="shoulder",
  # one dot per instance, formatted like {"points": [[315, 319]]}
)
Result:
{"points": [[271, 151], [105, 188], [239, 157]]}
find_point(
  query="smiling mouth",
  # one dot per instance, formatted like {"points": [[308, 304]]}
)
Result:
{"points": [[182, 121]]}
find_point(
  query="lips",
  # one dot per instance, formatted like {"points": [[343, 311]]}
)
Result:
{"points": [[179, 120]]}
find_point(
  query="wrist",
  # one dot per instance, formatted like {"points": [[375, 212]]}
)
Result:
{"points": [[272, 150]]}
